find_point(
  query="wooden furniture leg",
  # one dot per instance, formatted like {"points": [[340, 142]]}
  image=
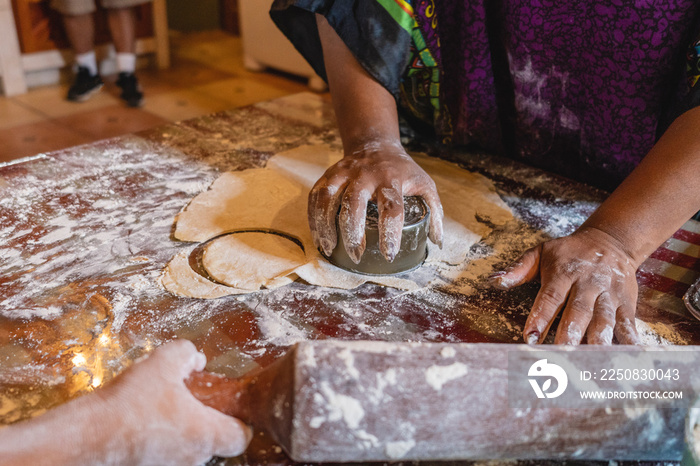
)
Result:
{"points": [[11, 67], [160, 33]]}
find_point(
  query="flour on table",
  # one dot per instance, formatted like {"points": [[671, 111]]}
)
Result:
{"points": [[275, 197], [655, 334], [464, 196], [251, 260]]}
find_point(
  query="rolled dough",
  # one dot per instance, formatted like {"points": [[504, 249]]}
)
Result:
{"points": [[179, 278], [275, 197], [251, 260]]}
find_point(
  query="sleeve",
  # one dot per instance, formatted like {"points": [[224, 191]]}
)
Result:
{"points": [[693, 74], [377, 32]]}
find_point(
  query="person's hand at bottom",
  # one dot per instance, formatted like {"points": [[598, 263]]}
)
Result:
{"points": [[589, 278], [146, 415], [160, 421]]}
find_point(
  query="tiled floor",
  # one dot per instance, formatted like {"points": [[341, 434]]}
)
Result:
{"points": [[206, 76]]}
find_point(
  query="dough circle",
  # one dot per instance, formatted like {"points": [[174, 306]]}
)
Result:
{"points": [[251, 260]]}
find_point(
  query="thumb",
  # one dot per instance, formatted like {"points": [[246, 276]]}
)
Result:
{"points": [[524, 270], [231, 436], [177, 359]]}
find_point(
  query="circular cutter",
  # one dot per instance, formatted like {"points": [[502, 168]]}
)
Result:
{"points": [[413, 249]]}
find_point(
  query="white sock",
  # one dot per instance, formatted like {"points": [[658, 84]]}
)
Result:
{"points": [[87, 60], [126, 62]]}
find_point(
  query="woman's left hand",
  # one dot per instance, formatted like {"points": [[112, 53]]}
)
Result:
{"points": [[588, 277]]}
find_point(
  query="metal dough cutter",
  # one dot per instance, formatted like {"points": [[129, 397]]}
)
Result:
{"points": [[692, 299], [413, 249]]}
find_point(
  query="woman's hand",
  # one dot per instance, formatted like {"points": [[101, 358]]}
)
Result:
{"points": [[590, 278], [375, 166], [378, 171]]}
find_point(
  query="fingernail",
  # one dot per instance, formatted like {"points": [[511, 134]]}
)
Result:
{"points": [[326, 246], [533, 338], [391, 251], [355, 252], [499, 280], [440, 238]]}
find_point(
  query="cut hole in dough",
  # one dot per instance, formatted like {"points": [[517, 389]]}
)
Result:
{"points": [[251, 260]]}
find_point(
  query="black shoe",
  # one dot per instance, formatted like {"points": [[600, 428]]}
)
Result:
{"points": [[84, 86], [131, 91]]}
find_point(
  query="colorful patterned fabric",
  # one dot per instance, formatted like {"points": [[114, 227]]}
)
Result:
{"points": [[420, 86], [401, 11], [582, 88], [693, 63], [692, 70]]}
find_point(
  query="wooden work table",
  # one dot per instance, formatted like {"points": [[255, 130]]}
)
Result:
{"points": [[85, 233]]}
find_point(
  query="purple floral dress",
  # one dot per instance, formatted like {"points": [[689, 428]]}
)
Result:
{"points": [[582, 88]]}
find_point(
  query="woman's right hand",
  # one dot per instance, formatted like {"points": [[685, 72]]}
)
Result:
{"points": [[378, 171], [375, 167]]}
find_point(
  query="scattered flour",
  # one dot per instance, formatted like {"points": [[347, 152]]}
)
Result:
{"points": [[437, 376], [339, 407], [349, 361], [37, 312], [277, 330], [654, 334], [399, 449]]}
